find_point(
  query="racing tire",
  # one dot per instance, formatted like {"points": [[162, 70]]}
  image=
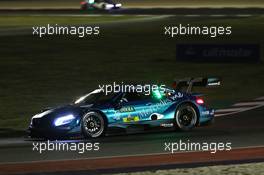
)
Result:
{"points": [[93, 125], [186, 117]]}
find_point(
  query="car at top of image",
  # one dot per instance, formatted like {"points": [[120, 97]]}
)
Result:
{"points": [[97, 113], [100, 5]]}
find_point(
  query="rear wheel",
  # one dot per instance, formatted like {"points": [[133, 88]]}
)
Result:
{"points": [[93, 125], [185, 117]]}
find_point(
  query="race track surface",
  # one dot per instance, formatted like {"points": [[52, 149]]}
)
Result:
{"points": [[244, 130], [142, 11]]}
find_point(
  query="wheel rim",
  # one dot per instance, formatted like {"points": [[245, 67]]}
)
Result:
{"points": [[186, 117], [93, 124]]}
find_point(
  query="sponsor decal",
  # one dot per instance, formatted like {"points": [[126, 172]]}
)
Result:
{"points": [[214, 84], [218, 52], [176, 96], [208, 112], [162, 105], [205, 112], [131, 119], [166, 125], [127, 109]]}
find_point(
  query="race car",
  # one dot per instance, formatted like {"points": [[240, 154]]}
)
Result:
{"points": [[97, 113], [100, 5]]}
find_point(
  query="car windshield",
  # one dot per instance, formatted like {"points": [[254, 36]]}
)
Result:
{"points": [[97, 96]]}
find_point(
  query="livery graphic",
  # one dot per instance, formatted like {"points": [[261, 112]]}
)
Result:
{"points": [[96, 114]]}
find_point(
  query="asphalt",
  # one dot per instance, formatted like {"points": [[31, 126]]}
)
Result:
{"points": [[244, 129], [136, 163], [141, 11]]}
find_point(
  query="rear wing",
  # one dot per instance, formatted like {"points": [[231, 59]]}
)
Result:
{"points": [[201, 82]]}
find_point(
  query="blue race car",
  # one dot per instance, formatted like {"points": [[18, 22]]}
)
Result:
{"points": [[96, 114]]}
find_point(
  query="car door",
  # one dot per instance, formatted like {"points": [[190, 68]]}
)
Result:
{"points": [[136, 107]]}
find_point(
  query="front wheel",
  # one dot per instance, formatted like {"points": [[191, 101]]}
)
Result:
{"points": [[93, 125], [185, 117]]}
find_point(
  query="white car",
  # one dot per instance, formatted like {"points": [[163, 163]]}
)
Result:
{"points": [[100, 4]]}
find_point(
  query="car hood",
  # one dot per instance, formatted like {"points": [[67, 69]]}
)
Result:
{"points": [[59, 111], [76, 110]]}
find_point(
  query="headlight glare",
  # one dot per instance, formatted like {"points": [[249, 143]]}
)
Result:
{"points": [[64, 120]]}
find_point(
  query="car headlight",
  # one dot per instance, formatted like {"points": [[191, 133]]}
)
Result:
{"points": [[64, 120]]}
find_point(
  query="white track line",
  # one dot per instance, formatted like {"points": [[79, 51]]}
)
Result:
{"points": [[241, 107], [260, 98], [246, 15], [140, 15], [231, 110], [88, 15], [235, 112], [249, 103], [191, 15]]}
